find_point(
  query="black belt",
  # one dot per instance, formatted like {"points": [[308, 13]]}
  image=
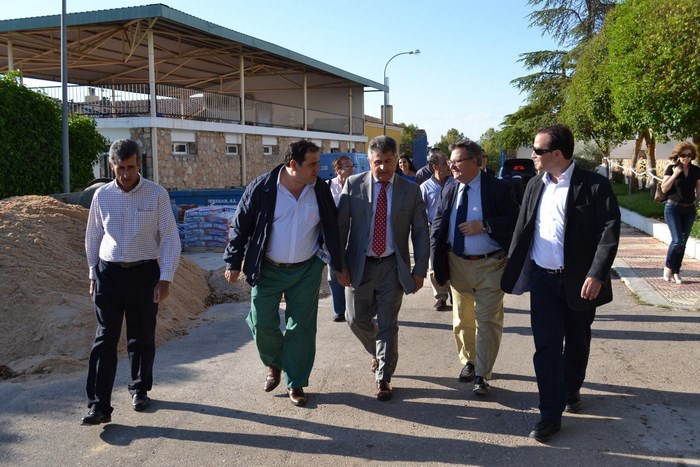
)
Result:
{"points": [[131, 264], [475, 257], [378, 259], [548, 271], [285, 265]]}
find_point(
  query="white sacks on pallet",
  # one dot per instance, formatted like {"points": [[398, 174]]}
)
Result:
{"points": [[207, 226]]}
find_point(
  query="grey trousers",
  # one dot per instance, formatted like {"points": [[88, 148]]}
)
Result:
{"points": [[373, 313]]}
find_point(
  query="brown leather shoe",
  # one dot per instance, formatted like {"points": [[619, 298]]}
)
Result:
{"points": [[274, 375], [375, 365], [297, 396], [384, 391]]}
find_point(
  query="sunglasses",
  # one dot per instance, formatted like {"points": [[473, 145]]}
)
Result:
{"points": [[541, 151], [685, 154]]}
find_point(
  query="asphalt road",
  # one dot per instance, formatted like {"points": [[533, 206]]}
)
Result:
{"points": [[641, 400]]}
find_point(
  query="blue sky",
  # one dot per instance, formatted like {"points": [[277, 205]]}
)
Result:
{"points": [[461, 79]]}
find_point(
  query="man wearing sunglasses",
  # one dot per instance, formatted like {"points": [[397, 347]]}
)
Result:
{"points": [[563, 247]]}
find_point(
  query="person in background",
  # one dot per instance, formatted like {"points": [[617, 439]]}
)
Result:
{"points": [[425, 172], [563, 247], [130, 229], [283, 221], [484, 167], [343, 168], [432, 190], [682, 183], [406, 168], [377, 214], [469, 238]]}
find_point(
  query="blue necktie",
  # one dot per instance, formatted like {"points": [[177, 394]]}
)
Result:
{"points": [[458, 238]]}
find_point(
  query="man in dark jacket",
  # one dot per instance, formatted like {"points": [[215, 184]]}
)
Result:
{"points": [[286, 220], [470, 236], [563, 247]]}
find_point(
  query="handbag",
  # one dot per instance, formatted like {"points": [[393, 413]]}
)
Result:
{"points": [[660, 196]]}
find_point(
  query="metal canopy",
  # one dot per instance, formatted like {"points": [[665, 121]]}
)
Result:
{"points": [[111, 46]]}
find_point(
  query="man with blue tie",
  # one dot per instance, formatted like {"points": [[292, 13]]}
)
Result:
{"points": [[377, 214], [470, 235]]}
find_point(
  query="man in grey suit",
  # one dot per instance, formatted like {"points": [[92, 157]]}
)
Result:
{"points": [[563, 247], [378, 211]]}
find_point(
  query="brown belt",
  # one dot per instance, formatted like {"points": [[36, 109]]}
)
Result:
{"points": [[285, 265]]}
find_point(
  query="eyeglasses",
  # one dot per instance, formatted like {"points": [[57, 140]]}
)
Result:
{"points": [[541, 151], [685, 154], [346, 167], [451, 162]]}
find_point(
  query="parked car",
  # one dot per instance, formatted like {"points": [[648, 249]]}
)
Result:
{"points": [[359, 160], [518, 172]]}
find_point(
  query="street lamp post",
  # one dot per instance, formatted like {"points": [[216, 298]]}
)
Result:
{"points": [[386, 83]]}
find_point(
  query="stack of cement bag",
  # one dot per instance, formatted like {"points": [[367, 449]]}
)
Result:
{"points": [[207, 226]]}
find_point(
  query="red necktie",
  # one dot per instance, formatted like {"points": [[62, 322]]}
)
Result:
{"points": [[379, 237]]}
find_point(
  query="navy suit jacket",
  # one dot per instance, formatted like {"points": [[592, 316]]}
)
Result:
{"points": [[591, 237], [499, 210]]}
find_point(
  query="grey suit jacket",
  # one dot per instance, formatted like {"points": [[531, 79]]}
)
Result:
{"points": [[407, 218]]}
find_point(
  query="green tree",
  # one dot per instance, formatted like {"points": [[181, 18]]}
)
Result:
{"points": [[452, 136], [85, 143], [30, 135], [654, 51]]}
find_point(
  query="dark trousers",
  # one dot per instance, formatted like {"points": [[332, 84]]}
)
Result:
{"points": [[122, 293], [562, 342]]}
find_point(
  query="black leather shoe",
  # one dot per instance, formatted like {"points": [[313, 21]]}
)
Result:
{"points": [[95, 416], [573, 403], [481, 386], [297, 396], [384, 391], [274, 375], [467, 374], [545, 429], [339, 318], [140, 401]]}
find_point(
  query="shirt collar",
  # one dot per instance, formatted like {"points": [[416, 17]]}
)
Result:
{"points": [[563, 180], [375, 181]]}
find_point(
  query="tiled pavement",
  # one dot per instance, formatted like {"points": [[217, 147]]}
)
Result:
{"points": [[639, 263]]}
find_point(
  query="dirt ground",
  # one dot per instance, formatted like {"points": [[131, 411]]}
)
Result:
{"points": [[48, 316]]}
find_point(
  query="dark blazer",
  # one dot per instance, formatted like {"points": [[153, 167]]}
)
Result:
{"points": [[591, 237], [252, 225], [500, 212]]}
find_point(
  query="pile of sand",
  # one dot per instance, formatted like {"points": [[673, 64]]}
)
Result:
{"points": [[47, 313]]}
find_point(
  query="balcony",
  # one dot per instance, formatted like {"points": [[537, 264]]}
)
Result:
{"points": [[132, 100]]}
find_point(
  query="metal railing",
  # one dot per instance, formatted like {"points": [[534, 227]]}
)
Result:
{"points": [[132, 100]]}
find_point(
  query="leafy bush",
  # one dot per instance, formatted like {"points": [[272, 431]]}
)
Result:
{"points": [[85, 144]]}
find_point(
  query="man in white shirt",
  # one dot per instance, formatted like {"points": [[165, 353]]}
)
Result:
{"points": [[432, 190], [343, 168], [563, 247], [130, 228], [283, 222]]}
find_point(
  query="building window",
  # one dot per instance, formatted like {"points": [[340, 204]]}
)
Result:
{"points": [[267, 150], [181, 148], [231, 149]]}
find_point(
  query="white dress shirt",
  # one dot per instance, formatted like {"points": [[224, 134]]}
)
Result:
{"points": [[336, 189], [548, 241], [296, 226], [376, 187]]}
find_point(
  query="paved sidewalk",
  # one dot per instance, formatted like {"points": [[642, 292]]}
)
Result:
{"points": [[639, 263]]}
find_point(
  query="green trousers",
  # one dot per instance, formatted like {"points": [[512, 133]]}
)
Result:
{"points": [[294, 349]]}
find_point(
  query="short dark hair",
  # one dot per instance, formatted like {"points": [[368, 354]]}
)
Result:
{"points": [[338, 161], [123, 149], [561, 138], [297, 151], [472, 148], [434, 158], [382, 144]]}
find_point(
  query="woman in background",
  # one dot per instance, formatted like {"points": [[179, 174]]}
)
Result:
{"points": [[682, 183], [406, 168]]}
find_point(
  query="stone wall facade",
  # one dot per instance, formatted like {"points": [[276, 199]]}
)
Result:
{"points": [[206, 165]]}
